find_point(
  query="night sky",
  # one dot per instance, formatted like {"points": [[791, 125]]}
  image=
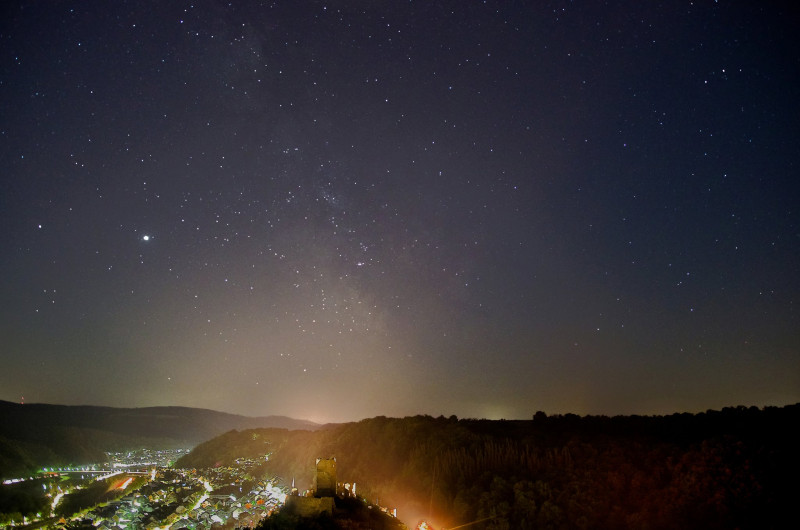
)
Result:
{"points": [[336, 210]]}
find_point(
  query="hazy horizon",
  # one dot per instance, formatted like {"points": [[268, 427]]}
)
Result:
{"points": [[432, 414]]}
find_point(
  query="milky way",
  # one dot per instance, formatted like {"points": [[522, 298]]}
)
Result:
{"points": [[335, 210]]}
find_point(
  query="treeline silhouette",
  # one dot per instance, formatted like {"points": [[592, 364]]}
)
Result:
{"points": [[734, 468]]}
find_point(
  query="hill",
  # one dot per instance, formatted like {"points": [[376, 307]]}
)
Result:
{"points": [[718, 469], [36, 435], [348, 512]]}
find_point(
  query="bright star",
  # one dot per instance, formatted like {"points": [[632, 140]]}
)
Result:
{"points": [[145, 238]]}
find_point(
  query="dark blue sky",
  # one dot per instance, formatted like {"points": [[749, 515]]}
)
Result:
{"points": [[335, 210]]}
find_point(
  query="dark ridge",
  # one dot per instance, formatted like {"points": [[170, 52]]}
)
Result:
{"points": [[732, 468]]}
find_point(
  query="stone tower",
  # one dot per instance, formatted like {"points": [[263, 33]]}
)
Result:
{"points": [[325, 482]]}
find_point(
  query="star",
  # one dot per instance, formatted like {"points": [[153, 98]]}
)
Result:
{"points": [[444, 210]]}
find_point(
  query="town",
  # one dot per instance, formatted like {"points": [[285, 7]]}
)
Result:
{"points": [[138, 490]]}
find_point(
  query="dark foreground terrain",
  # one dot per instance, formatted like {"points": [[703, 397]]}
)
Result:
{"points": [[349, 513], [735, 468]]}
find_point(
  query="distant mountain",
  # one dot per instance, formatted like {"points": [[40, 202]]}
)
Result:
{"points": [[36, 435]]}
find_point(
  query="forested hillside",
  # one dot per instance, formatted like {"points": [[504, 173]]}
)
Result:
{"points": [[720, 469]]}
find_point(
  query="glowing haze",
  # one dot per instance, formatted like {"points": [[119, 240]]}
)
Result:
{"points": [[334, 210]]}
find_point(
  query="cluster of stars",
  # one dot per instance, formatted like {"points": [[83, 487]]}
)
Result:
{"points": [[237, 195]]}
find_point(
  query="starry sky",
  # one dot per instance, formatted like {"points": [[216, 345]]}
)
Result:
{"points": [[341, 209]]}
